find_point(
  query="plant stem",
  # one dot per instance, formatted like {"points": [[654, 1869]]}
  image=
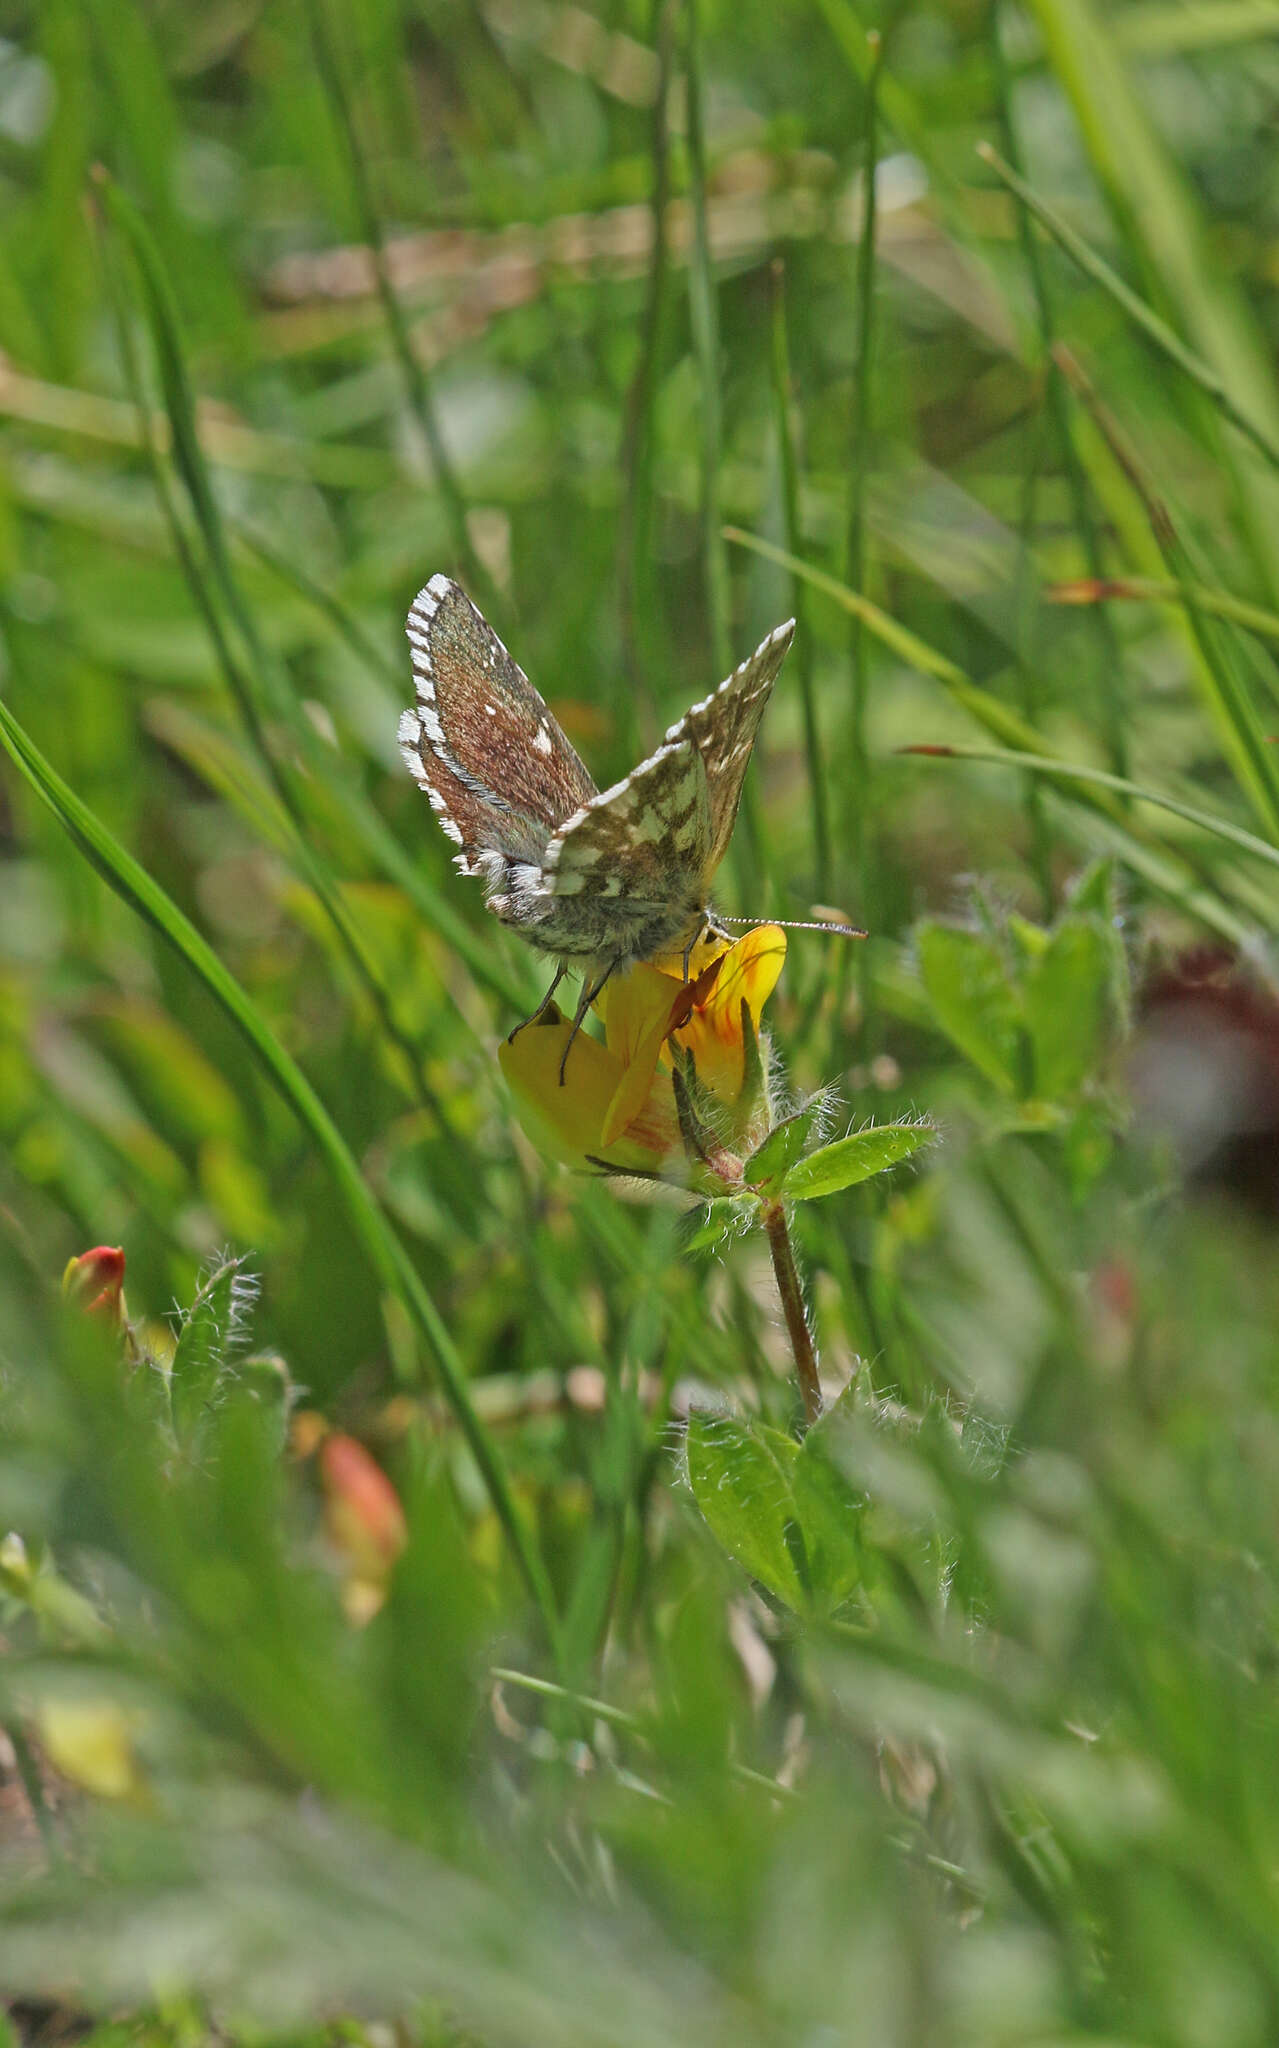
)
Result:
{"points": [[704, 320], [801, 1338], [784, 407], [863, 395], [638, 596]]}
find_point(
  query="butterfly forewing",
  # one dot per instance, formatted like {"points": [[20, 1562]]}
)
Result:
{"points": [[723, 728], [494, 762]]}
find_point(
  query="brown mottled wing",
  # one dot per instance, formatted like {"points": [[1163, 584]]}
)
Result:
{"points": [[723, 728], [643, 842], [498, 770]]}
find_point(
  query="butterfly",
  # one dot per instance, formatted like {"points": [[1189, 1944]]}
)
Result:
{"points": [[597, 878]]}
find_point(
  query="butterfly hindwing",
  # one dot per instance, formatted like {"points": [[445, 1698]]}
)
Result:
{"points": [[499, 772], [723, 728], [635, 839]]}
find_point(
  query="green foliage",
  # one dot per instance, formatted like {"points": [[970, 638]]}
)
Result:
{"points": [[601, 1707], [1033, 1012], [783, 1510]]}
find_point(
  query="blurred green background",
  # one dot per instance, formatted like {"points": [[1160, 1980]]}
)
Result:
{"points": [[653, 324]]}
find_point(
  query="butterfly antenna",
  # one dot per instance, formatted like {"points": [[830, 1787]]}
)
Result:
{"points": [[795, 924]]}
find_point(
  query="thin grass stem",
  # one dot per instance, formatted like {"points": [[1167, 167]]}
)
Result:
{"points": [[638, 592], [1252, 760], [788, 454], [704, 317], [417, 383], [860, 427], [1201, 896], [1142, 316], [302, 854], [1101, 778], [1110, 652]]}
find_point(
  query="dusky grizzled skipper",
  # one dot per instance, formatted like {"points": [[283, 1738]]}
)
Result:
{"points": [[598, 878]]}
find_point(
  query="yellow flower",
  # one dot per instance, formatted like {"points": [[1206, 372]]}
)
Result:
{"points": [[745, 971], [617, 1108]]}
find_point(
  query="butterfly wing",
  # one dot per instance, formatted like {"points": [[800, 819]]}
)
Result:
{"points": [[625, 871], [499, 772], [723, 728]]}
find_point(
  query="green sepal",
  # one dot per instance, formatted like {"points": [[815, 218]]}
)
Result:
{"points": [[771, 1161]]}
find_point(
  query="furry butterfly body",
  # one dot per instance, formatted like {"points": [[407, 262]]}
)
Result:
{"points": [[597, 878]]}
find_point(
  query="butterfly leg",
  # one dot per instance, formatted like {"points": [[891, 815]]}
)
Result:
{"points": [[589, 992], [542, 1007], [704, 929]]}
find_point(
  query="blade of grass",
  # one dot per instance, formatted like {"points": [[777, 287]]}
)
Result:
{"points": [[1038, 832], [1220, 604], [1159, 219], [1231, 707], [359, 817], [1142, 316], [1110, 663], [390, 1261], [228, 444], [704, 320], [784, 411], [1142, 853], [1101, 778], [303, 854], [637, 592], [858, 459], [416, 381]]}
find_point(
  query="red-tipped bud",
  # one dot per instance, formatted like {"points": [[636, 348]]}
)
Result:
{"points": [[95, 1281], [365, 1518]]}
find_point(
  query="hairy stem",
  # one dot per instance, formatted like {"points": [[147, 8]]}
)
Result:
{"points": [[801, 1338]]}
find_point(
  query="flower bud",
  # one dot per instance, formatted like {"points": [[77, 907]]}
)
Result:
{"points": [[365, 1521], [95, 1282]]}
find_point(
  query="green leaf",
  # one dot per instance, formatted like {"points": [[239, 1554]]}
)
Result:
{"points": [[1067, 999], [205, 1344], [742, 1476], [855, 1158], [973, 1000], [830, 1515], [785, 1511], [770, 1162]]}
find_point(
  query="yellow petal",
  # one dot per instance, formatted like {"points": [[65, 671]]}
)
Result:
{"points": [[567, 1123], [747, 973], [636, 1020], [708, 949]]}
